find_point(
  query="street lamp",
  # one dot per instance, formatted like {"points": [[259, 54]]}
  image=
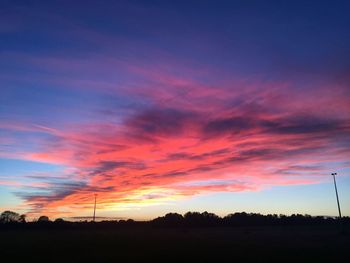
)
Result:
{"points": [[336, 193], [94, 209]]}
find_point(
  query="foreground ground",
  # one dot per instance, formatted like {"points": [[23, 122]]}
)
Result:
{"points": [[147, 244]]}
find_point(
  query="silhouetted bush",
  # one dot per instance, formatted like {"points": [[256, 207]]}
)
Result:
{"points": [[43, 219], [59, 221]]}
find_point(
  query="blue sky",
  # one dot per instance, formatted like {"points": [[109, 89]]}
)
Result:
{"points": [[170, 106]]}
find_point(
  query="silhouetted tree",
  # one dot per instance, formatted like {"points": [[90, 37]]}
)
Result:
{"points": [[192, 218], [170, 219], [201, 219], [173, 217], [9, 217], [210, 218], [43, 219], [59, 220], [22, 218]]}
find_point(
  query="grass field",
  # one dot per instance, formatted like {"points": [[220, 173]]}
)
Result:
{"points": [[147, 244]]}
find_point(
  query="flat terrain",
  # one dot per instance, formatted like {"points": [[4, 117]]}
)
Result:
{"points": [[147, 244]]}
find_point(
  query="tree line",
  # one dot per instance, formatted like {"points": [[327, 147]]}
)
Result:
{"points": [[189, 219], [205, 219]]}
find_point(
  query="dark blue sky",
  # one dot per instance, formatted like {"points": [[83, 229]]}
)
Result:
{"points": [[158, 104]]}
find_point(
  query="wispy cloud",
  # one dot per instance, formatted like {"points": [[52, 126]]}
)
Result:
{"points": [[142, 116], [244, 145]]}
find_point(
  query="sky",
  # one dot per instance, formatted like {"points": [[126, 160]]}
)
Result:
{"points": [[174, 106]]}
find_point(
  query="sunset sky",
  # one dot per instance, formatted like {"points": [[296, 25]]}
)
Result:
{"points": [[174, 106]]}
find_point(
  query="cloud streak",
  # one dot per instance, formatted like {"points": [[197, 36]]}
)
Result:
{"points": [[161, 148], [141, 116]]}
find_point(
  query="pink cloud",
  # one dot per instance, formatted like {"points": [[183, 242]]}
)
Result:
{"points": [[255, 133]]}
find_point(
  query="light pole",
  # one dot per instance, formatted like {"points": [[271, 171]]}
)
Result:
{"points": [[94, 209], [336, 193]]}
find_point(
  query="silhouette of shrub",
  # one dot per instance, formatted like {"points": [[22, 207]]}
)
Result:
{"points": [[43, 219], [59, 220]]}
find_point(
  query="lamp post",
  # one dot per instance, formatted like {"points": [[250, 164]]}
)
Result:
{"points": [[94, 209], [336, 193]]}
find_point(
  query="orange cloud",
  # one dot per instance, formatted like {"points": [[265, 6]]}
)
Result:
{"points": [[190, 139]]}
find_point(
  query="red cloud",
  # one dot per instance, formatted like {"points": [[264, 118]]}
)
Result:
{"points": [[246, 136]]}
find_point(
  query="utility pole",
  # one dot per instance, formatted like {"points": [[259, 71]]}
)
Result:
{"points": [[94, 209], [336, 193]]}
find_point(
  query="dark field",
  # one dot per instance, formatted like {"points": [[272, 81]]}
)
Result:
{"points": [[150, 244]]}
